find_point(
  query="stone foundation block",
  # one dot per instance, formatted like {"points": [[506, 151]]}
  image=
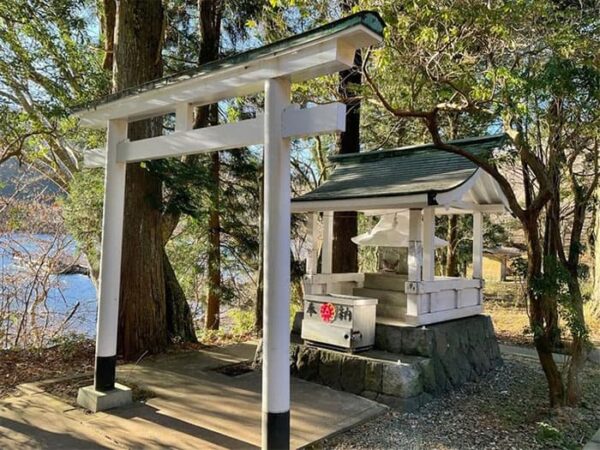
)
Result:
{"points": [[90, 398], [401, 380]]}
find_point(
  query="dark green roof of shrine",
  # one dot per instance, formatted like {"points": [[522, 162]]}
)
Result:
{"points": [[369, 19], [418, 169]]}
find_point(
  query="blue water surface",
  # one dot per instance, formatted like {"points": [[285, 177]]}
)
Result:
{"points": [[72, 289]]}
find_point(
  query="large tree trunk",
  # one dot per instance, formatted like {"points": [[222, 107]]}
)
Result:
{"points": [[345, 252], [210, 31], [578, 343], [542, 318], [577, 325], [180, 322], [142, 308], [213, 297]]}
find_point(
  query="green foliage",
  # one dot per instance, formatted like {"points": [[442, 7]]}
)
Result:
{"points": [[82, 211], [242, 321], [46, 67], [367, 256], [547, 434], [69, 343]]}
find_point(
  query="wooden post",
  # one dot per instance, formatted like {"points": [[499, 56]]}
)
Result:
{"points": [[428, 244], [415, 249], [313, 256], [327, 246], [110, 260], [276, 333], [477, 245], [184, 117]]}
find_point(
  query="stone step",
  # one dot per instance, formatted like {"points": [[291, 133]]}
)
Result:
{"points": [[392, 298], [385, 281], [391, 312]]}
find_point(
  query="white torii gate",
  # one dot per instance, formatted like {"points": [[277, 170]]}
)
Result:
{"points": [[271, 69]]}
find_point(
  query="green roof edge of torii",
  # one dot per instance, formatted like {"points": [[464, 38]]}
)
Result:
{"points": [[370, 19]]}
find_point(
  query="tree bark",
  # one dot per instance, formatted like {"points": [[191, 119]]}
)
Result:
{"points": [[213, 297], [211, 12], [541, 315], [180, 321], [345, 252], [107, 22], [142, 307]]}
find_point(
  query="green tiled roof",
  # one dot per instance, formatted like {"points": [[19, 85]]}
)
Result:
{"points": [[419, 169], [370, 19]]}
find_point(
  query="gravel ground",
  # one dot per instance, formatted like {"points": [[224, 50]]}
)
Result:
{"points": [[506, 410]]}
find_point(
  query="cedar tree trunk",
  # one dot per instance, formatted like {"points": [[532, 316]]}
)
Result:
{"points": [[142, 307], [211, 12], [345, 252]]}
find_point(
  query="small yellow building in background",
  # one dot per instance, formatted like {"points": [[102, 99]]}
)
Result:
{"points": [[496, 263]]}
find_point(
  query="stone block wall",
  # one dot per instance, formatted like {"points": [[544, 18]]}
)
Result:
{"points": [[460, 350], [401, 383], [408, 365]]}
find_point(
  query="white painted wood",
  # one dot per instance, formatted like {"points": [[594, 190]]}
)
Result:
{"points": [[456, 194], [428, 244], [94, 158], [464, 207], [276, 333], [327, 246], [363, 204], [184, 117], [313, 254], [412, 304], [324, 278], [301, 62], [477, 244], [423, 287], [112, 238], [443, 316], [415, 247], [201, 140], [322, 119]]}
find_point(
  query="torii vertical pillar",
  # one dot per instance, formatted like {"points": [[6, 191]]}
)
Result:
{"points": [[104, 394], [110, 259], [276, 332]]}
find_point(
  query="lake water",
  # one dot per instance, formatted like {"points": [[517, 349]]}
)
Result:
{"points": [[19, 250]]}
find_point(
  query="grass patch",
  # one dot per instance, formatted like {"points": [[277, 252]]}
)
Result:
{"points": [[505, 305]]}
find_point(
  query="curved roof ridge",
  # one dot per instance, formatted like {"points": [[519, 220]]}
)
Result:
{"points": [[497, 140], [418, 169]]}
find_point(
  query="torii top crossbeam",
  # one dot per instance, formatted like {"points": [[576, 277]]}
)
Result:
{"points": [[317, 52], [271, 69]]}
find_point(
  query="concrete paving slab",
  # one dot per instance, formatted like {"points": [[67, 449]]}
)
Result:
{"points": [[594, 443], [195, 407]]}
